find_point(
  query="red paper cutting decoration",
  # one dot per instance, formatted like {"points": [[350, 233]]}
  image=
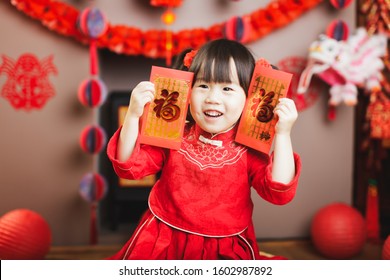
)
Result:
{"points": [[28, 86]]}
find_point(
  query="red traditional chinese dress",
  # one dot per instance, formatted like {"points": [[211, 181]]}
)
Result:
{"points": [[200, 208]]}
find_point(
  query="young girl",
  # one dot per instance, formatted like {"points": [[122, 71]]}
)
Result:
{"points": [[200, 208]]}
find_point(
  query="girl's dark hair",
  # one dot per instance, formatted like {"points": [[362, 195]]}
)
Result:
{"points": [[178, 60], [218, 54]]}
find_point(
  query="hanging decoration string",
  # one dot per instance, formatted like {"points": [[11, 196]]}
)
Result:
{"points": [[129, 40]]}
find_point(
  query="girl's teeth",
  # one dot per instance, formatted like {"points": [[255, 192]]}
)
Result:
{"points": [[213, 114]]}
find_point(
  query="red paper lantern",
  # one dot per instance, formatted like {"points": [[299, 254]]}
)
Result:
{"points": [[338, 231], [24, 235], [92, 23], [92, 92], [93, 139], [340, 4], [386, 249], [238, 29], [93, 187], [338, 30]]}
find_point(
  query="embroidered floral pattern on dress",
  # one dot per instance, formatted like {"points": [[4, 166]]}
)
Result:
{"points": [[210, 156]]}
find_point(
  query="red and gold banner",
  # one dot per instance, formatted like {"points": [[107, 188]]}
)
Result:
{"points": [[164, 119], [257, 125]]}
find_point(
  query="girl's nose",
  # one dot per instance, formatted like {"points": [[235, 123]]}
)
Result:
{"points": [[213, 96]]}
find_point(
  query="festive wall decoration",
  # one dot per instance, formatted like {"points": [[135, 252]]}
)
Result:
{"points": [[338, 30], [24, 235], [92, 139], [168, 17], [28, 86], [345, 65], [93, 188], [340, 4], [238, 28], [130, 40], [92, 93], [378, 114], [377, 16], [295, 66]]}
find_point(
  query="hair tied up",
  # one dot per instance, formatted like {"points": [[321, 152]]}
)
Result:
{"points": [[189, 57]]}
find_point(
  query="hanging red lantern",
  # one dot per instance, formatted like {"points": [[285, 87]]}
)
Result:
{"points": [[340, 4], [93, 139], [338, 30], [92, 23], [338, 231], [235, 29], [24, 235], [92, 92], [93, 188]]}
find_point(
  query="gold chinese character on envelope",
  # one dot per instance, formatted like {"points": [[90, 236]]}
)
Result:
{"points": [[164, 118], [257, 125]]}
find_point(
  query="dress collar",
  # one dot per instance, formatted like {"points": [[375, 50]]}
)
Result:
{"points": [[217, 139]]}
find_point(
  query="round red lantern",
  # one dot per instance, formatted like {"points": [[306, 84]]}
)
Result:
{"points": [[93, 187], [93, 139], [92, 92], [338, 30], [340, 4], [338, 231], [238, 29], [386, 249], [92, 23], [24, 235]]}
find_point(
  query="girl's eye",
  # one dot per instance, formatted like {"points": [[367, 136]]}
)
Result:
{"points": [[227, 89], [202, 86]]}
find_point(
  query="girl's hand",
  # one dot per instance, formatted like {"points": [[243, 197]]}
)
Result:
{"points": [[142, 94], [287, 114]]}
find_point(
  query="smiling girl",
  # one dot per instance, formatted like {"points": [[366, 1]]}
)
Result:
{"points": [[201, 207]]}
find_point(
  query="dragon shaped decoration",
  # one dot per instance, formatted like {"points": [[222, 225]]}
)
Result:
{"points": [[346, 65]]}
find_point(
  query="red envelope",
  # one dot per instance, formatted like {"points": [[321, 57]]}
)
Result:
{"points": [[257, 125], [163, 121]]}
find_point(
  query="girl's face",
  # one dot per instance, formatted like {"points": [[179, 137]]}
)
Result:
{"points": [[216, 107]]}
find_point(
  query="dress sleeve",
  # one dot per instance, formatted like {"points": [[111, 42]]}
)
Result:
{"points": [[145, 160], [260, 174]]}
